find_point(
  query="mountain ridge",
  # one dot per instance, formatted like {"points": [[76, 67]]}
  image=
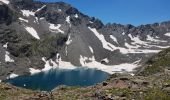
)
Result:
{"points": [[57, 35]]}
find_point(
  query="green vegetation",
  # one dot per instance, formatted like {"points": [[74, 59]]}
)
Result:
{"points": [[156, 94], [47, 45], [120, 92], [158, 63]]}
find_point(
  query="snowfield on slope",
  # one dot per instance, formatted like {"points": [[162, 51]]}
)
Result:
{"points": [[7, 57], [167, 34], [54, 28], [32, 31], [5, 1], [12, 75], [131, 48], [27, 13]]}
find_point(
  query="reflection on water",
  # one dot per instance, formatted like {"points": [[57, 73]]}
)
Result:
{"points": [[47, 81]]}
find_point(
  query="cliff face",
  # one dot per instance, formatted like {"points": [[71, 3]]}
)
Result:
{"points": [[34, 34]]}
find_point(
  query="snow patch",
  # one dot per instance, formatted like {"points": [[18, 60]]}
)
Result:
{"points": [[131, 46], [66, 65], [68, 40], [47, 64], [5, 1], [68, 20], [40, 8], [12, 75], [136, 40], [54, 28], [167, 34], [59, 10], [83, 60], [76, 16], [125, 67], [91, 22], [123, 33], [91, 49], [114, 39], [7, 57], [32, 31], [22, 19], [34, 71], [63, 64], [36, 20], [149, 38], [27, 13], [106, 60], [5, 45], [162, 47], [105, 44]]}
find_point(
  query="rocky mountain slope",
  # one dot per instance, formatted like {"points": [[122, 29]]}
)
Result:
{"points": [[36, 36], [145, 85]]}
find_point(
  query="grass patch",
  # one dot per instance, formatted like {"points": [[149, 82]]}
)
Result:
{"points": [[157, 63]]}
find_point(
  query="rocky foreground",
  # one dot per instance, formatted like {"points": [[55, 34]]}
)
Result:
{"points": [[154, 87], [150, 83]]}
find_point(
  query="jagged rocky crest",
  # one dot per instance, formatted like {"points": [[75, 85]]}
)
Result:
{"points": [[37, 36]]}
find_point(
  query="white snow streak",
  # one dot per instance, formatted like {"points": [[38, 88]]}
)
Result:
{"points": [[68, 20], [7, 57], [22, 19], [167, 34], [91, 22], [149, 38], [107, 68], [76, 16], [32, 31], [131, 46], [105, 44], [59, 10], [47, 64], [106, 60], [5, 45], [136, 40], [34, 71], [114, 39], [41, 8], [12, 75], [91, 49], [66, 65], [54, 28], [5, 1], [27, 13], [69, 40], [123, 33]]}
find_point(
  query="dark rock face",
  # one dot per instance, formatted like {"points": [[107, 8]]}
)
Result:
{"points": [[31, 31], [6, 15]]}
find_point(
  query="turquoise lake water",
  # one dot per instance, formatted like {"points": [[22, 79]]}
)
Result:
{"points": [[46, 81]]}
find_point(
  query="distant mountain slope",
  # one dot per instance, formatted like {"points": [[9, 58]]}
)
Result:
{"points": [[158, 63], [37, 36]]}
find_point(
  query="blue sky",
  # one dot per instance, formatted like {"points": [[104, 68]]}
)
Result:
{"points": [[133, 12]]}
